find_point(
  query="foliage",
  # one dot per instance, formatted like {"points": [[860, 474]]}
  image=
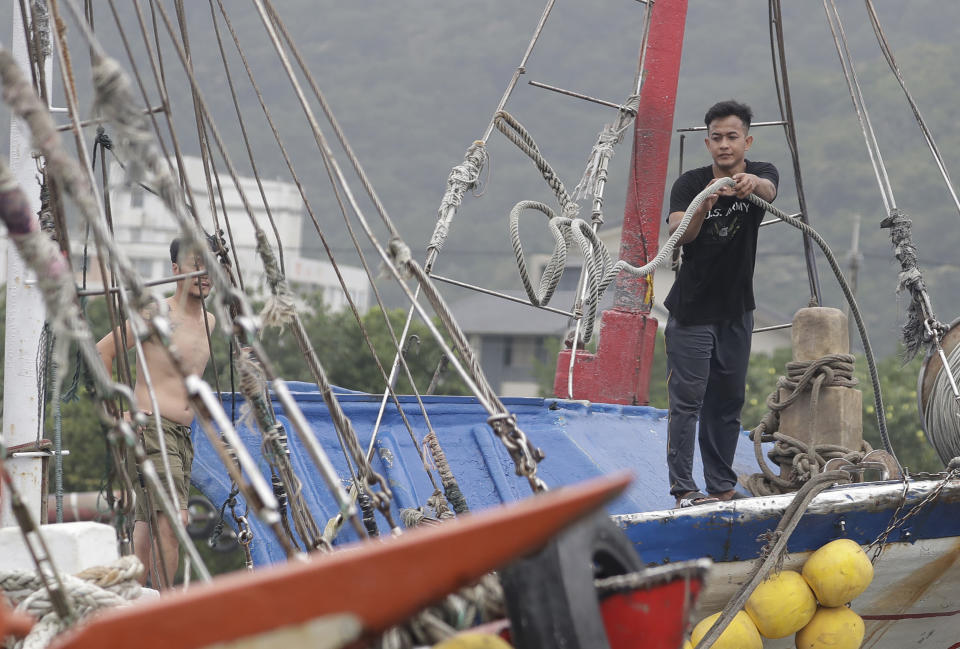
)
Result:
{"points": [[546, 368], [339, 343]]}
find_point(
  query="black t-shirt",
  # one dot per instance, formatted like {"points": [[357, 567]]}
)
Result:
{"points": [[715, 281]]}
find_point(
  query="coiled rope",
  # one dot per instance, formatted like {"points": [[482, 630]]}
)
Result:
{"points": [[806, 460], [566, 226], [940, 417], [90, 590]]}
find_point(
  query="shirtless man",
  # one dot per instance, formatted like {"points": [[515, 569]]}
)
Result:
{"points": [[188, 336]]}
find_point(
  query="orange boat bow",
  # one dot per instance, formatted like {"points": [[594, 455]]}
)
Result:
{"points": [[382, 583], [12, 623]]}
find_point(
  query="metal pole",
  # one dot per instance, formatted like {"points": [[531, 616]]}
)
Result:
{"points": [[22, 407]]}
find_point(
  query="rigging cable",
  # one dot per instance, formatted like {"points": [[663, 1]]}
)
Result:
{"points": [[323, 239], [927, 135], [68, 81], [850, 74], [56, 283], [462, 177], [922, 326], [400, 264], [330, 256], [782, 84], [120, 108]]}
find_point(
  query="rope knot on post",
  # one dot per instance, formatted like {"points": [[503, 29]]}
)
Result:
{"points": [[804, 459]]}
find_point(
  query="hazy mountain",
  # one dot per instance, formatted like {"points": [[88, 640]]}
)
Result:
{"points": [[414, 83]]}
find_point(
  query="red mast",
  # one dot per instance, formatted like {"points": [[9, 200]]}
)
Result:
{"points": [[620, 370]]}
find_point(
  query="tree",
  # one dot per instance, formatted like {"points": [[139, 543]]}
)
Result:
{"points": [[344, 353]]}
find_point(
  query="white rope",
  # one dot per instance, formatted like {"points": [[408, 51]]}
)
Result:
{"points": [[88, 591], [600, 272]]}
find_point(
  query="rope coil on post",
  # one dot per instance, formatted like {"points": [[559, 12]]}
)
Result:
{"points": [[806, 460], [854, 311]]}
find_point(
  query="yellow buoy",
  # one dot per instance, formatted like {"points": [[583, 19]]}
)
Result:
{"points": [[741, 634], [687, 645], [473, 641], [831, 628], [838, 572], [781, 605]]}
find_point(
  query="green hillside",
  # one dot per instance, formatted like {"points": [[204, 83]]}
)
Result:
{"points": [[414, 83]]}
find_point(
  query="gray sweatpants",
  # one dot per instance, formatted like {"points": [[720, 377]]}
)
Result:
{"points": [[706, 379]]}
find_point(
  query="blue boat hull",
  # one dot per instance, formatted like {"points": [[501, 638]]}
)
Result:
{"points": [[580, 441]]}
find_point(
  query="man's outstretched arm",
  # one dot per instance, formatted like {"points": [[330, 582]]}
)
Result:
{"points": [[696, 221]]}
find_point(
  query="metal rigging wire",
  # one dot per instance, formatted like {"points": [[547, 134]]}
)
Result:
{"points": [[850, 73], [782, 84], [927, 135]]}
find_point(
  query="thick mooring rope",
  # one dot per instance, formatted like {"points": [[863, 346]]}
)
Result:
{"points": [[854, 311], [806, 460], [90, 590]]}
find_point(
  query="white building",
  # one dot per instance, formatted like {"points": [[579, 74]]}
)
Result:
{"points": [[144, 229]]}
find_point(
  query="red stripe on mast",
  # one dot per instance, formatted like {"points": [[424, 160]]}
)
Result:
{"points": [[620, 370]]}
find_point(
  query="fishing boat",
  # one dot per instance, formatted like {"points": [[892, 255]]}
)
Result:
{"points": [[489, 450]]}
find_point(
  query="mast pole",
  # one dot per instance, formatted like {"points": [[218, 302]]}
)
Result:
{"points": [[620, 370], [25, 316]]}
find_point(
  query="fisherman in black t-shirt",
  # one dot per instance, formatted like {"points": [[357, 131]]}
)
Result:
{"points": [[711, 306]]}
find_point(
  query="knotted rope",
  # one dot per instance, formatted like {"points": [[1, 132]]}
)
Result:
{"points": [[910, 279], [609, 137], [90, 590], [451, 488], [462, 177], [281, 306], [806, 460]]}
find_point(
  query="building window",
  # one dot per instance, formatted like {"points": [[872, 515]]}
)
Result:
{"points": [[507, 351], [136, 197], [144, 267], [540, 350]]}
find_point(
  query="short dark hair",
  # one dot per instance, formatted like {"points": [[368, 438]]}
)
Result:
{"points": [[175, 247], [728, 108]]}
